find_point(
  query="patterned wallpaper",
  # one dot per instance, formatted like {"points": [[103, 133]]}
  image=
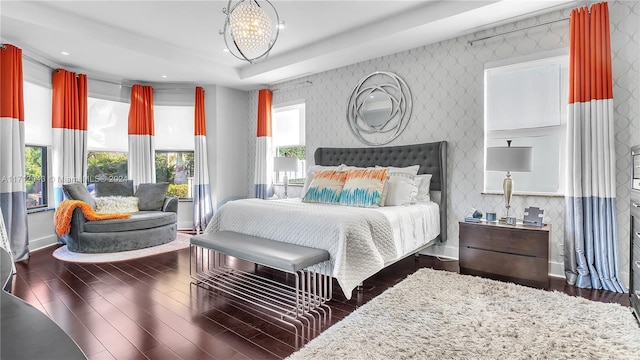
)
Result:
{"points": [[446, 80]]}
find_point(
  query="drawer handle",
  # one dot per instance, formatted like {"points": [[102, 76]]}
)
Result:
{"points": [[638, 234], [635, 205], [637, 263]]}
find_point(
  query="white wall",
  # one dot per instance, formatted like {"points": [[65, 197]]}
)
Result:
{"points": [[446, 80], [41, 230], [227, 135]]}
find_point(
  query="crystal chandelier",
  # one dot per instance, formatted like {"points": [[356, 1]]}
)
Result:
{"points": [[249, 30]]}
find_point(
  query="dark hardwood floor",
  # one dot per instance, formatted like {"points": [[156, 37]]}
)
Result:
{"points": [[148, 308]]}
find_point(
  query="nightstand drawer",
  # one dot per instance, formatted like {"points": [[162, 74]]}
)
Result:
{"points": [[505, 239], [505, 265]]}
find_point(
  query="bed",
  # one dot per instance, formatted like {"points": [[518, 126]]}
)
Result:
{"points": [[360, 241]]}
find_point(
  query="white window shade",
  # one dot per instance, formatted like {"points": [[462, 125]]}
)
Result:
{"points": [[107, 125], [37, 115], [523, 98], [288, 126], [174, 128]]}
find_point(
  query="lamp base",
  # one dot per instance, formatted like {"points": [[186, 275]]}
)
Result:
{"points": [[507, 188], [285, 182]]}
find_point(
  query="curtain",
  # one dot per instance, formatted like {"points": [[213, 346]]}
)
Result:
{"points": [[142, 167], [591, 241], [202, 208], [69, 123], [263, 187], [13, 195]]}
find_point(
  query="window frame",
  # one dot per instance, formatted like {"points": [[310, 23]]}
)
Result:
{"points": [[44, 178], [189, 196], [299, 105], [559, 56]]}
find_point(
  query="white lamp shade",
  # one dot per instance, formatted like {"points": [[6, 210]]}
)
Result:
{"points": [[285, 164], [514, 158]]}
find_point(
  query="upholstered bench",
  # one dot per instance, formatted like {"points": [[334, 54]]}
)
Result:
{"points": [[312, 287]]}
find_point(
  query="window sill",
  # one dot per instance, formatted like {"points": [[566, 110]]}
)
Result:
{"points": [[523, 194], [40, 209]]}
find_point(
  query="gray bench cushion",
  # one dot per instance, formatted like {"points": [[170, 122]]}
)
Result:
{"points": [[138, 221], [275, 254]]}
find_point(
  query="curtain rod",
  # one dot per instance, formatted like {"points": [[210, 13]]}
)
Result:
{"points": [[470, 42], [306, 82]]}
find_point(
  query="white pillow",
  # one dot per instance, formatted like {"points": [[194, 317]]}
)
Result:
{"points": [[116, 204], [424, 188], [401, 186], [401, 190]]}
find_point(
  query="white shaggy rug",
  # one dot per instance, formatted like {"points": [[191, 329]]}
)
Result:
{"points": [[182, 241], [443, 315]]}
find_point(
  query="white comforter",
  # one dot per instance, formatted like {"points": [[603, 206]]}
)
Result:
{"points": [[360, 241]]}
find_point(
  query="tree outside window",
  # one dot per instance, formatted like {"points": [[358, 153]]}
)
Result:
{"points": [[177, 169], [36, 176]]}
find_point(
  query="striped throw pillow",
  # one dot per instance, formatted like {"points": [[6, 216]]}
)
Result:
{"points": [[326, 187], [364, 187]]}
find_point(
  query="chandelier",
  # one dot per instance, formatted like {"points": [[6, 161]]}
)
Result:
{"points": [[249, 30]]}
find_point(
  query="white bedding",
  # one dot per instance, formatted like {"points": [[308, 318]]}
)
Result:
{"points": [[360, 241]]}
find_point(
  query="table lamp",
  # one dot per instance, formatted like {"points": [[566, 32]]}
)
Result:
{"points": [[509, 158], [285, 164]]}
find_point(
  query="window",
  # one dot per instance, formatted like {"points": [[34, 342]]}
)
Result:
{"points": [[107, 141], [36, 176], [38, 136], [176, 168], [106, 166], [288, 137], [526, 102]]}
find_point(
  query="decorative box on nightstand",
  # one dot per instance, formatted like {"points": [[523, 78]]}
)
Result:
{"points": [[515, 253]]}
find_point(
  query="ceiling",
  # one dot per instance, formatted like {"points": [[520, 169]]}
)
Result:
{"points": [[178, 41]]}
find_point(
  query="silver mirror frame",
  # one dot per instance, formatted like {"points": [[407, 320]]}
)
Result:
{"points": [[398, 92]]}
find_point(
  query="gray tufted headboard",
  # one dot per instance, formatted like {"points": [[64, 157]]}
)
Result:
{"points": [[432, 158]]}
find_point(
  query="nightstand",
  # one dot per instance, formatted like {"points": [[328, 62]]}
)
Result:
{"points": [[518, 254]]}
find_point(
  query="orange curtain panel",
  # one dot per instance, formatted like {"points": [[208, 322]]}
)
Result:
{"points": [[141, 130], [202, 204], [590, 236], [69, 122], [13, 194], [263, 187]]}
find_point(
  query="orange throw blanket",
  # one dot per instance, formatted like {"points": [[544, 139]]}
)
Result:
{"points": [[62, 216]]}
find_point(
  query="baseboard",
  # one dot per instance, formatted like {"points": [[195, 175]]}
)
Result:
{"points": [[556, 269], [42, 243]]}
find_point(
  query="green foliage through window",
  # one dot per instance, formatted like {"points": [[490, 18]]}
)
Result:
{"points": [[106, 166], [177, 169], [36, 176]]}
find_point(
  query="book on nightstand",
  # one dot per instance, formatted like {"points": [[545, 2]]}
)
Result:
{"points": [[471, 219]]}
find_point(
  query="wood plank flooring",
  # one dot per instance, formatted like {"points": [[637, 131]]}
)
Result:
{"points": [[148, 308]]}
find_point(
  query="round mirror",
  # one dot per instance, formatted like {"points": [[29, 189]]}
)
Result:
{"points": [[379, 108], [376, 108]]}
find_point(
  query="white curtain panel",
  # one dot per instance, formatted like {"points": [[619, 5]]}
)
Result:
{"points": [[590, 235], [69, 159], [142, 167], [13, 193], [263, 187], [202, 207]]}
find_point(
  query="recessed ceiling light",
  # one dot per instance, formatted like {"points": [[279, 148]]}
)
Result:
{"points": [[64, 53], [164, 76], [225, 50], [281, 25]]}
